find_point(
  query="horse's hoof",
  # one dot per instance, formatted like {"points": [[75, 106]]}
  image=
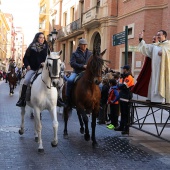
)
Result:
{"points": [[65, 136], [94, 144], [82, 130], [54, 143], [40, 150], [87, 137], [21, 132], [36, 139]]}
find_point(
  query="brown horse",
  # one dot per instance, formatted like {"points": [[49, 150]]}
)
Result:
{"points": [[86, 96], [12, 79]]}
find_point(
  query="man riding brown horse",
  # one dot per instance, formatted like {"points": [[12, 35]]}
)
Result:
{"points": [[78, 62]]}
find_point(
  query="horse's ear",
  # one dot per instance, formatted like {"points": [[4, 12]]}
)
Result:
{"points": [[102, 53], [60, 52]]}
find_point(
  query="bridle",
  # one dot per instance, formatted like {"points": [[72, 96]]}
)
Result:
{"points": [[53, 72]]}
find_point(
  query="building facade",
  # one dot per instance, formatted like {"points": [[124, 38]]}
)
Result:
{"points": [[99, 20], [19, 46], [4, 28], [44, 24]]}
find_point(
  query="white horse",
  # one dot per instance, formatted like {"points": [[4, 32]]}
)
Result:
{"points": [[44, 96]]}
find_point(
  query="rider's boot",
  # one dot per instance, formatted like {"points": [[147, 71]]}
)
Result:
{"points": [[60, 102], [21, 102]]}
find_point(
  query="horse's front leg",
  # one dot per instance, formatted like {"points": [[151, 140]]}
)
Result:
{"points": [[10, 89], [65, 134], [38, 129], [81, 122], [21, 130], [93, 126], [85, 120], [55, 126]]}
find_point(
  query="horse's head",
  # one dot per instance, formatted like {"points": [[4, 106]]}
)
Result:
{"points": [[95, 65], [55, 67]]}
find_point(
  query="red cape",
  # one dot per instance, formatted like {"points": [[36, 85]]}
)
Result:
{"points": [[141, 86]]}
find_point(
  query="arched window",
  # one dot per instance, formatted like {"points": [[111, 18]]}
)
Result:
{"points": [[97, 43]]}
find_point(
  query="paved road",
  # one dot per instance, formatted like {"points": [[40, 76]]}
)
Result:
{"points": [[114, 152]]}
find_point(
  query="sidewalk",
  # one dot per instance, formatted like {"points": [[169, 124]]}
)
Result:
{"points": [[115, 152]]}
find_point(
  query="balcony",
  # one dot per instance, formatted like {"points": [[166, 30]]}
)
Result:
{"points": [[42, 13], [70, 30], [91, 17]]}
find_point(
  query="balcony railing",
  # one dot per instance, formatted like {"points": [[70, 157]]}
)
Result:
{"points": [[69, 29]]}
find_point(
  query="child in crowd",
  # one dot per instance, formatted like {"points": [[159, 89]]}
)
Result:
{"points": [[113, 100]]}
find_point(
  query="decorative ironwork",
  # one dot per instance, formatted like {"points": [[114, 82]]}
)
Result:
{"points": [[69, 28]]}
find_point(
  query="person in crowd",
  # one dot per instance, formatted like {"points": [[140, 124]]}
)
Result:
{"points": [[113, 100], [78, 62], [4, 75], [159, 86], [1, 74], [103, 102], [125, 84], [10, 66], [116, 77], [34, 57]]}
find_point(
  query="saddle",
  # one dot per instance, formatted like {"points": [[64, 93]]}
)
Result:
{"points": [[79, 75], [33, 78]]}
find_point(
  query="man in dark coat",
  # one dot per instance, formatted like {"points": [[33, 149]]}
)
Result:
{"points": [[78, 62]]}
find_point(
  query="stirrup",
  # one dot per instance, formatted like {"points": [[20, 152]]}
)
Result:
{"points": [[60, 103], [21, 103]]}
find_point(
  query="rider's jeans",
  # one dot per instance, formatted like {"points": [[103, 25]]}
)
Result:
{"points": [[28, 76], [70, 82]]}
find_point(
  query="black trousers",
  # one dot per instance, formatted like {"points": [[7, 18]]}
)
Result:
{"points": [[125, 115], [114, 113]]}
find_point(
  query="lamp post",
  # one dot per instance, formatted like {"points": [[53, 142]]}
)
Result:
{"points": [[51, 38]]}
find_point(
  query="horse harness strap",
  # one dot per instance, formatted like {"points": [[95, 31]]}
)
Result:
{"points": [[55, 68]]}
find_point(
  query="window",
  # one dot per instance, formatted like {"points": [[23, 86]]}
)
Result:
{"points": [[53, 23], [71, 48], [98, 3], [72, 14], [129, 59], [64, 51], [43, 9], [65, 19], [130, 30], [124, 1]]}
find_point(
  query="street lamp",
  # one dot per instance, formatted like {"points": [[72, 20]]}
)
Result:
{"points": [[52, 37]]}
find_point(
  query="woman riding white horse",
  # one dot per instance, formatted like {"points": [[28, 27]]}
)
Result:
{"points": [[34, 57], [44, 96]]}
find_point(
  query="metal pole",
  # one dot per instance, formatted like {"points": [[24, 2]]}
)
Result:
{"points": [[126, 45]]}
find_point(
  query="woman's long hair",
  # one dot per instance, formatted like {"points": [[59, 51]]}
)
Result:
{"points": [[37, 36]]}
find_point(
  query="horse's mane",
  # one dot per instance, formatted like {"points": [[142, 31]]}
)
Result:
{"points": [[96, 62]]}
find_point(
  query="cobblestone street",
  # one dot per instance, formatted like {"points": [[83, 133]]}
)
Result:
{"points": [[115, 152]]}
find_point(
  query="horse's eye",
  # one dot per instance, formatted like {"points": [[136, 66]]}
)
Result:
{"points": [[49, 64]]}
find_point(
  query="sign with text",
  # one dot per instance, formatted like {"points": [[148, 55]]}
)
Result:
{"points": [[119, 38]]}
